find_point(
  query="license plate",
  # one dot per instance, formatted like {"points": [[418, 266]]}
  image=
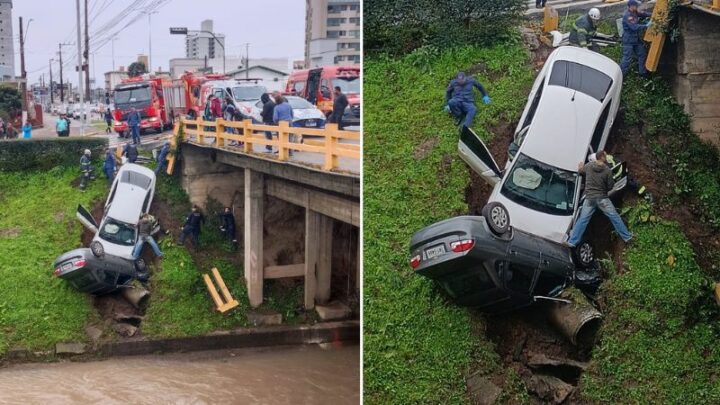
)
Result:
{"points": [[66, 266], [310, 123], [435, 251]]}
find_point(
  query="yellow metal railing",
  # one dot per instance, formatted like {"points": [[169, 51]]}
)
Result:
{"points": [[326, 142]]}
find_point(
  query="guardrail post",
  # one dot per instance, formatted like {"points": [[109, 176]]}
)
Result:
{"points": [[200, 130], [283, 136], [220, 131], [331, 137], [247, 136]]}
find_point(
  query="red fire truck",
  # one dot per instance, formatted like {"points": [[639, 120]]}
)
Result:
{"points": [[316, 85], [186, 95], [145, 94]]}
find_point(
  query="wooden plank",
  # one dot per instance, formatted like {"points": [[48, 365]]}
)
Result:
{"points": [[221, 283], [333, 206], [655, 36], [312, 229], [213, 292], [226, 307], [290, 270], [254, 193]]}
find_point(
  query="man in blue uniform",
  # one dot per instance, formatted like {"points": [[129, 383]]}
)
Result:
{"points": [[109, 166], [459, 98], [162, 157], [632, 45]]}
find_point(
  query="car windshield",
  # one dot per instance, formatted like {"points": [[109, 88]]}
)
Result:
{"points": [[347, 84], [299, 103], [245, 93], [132, 95], [582, 78], [541, 187], [118, 232]]}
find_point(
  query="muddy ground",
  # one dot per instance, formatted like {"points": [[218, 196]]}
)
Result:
{"points": [[521, 336]]}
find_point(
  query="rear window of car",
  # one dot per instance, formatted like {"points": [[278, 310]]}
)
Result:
{"points": [[136, 179], [582, 78]]}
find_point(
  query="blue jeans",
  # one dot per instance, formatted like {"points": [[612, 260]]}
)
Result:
{"points": [[587, 211], [460, 107], [151, 241], [109, 173], [629, 51], [135, 133], [162, 161], [268, 136]]}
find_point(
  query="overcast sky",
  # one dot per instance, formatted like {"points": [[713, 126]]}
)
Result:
{"points": [[274, 28]]}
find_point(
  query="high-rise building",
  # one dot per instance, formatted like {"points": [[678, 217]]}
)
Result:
{"points": [[332, 32], [201, 44], [7, 49]]}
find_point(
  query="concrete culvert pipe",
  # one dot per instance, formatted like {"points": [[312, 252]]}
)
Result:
{"points": [[579, 320], [137, 296]]}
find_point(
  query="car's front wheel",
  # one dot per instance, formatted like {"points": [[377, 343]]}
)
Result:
{"points": [[584, 254], [497, 217]]}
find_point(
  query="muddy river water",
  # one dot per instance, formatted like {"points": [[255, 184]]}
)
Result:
{"points": [[293, 375]]}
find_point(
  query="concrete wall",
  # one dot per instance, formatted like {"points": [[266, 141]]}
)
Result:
{"points": [[692, 65]]}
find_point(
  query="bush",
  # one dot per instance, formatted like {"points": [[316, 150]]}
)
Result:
{"points": [[399, 26], [10, 102], [44, 154]]}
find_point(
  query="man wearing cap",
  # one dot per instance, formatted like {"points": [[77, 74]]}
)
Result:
{"points": [[460, 99], [632, 46], [584, 29]]}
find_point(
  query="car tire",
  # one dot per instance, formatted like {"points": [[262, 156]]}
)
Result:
{"points": [[140, 266], [584, 254], [497, 217]]}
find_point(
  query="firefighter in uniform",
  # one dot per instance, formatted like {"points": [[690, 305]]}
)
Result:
{"points": [[584, 30], [86, 169], [632, 45]]}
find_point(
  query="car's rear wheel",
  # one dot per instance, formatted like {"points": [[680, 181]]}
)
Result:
{"points": [[497, 217], [584, 254], [140, 266]]}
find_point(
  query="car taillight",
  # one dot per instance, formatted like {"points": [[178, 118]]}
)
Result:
{"points": [[80, 263], [415, 261], [57, 272], [462, 245]]}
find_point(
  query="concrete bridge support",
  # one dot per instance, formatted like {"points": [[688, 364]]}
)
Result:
{"points": [[253, 248]]}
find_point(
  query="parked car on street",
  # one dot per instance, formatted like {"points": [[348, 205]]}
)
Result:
{"points": [[305, 115], [497, 269], [568, 117]]}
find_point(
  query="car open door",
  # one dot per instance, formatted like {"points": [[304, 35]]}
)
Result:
{"points": [[474, 152], [84, 216]]}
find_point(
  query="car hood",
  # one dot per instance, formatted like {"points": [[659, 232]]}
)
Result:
{"points": [[551, 227], [304, 114]]}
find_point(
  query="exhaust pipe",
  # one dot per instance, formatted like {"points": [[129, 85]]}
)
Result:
{"points": [[578, 320], [137, 296]]}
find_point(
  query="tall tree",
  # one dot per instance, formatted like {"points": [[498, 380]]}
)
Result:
{"points": [[136, 69]]}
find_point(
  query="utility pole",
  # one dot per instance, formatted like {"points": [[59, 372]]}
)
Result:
{"points": [[62, 86], [23, 73], [87, 54], [247, 60], [149, 13], [80, 70], [52, 95], [113, 51]]}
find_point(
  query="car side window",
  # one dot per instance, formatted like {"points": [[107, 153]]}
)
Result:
{"points": [[298, 87], [108, 277], [534, 106], [146, 202], [600, 128], [548, 283], [112, 194], [517, 277], [470, 283]]}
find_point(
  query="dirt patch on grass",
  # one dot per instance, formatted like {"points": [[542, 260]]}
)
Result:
{"points": [[424, 149], [10, 232]]}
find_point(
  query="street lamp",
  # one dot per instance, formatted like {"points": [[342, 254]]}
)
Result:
{"points": [[149, 14], [184, 31]]}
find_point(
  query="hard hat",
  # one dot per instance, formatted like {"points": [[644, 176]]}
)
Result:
{"points": [[87, 152], [594, 13]]}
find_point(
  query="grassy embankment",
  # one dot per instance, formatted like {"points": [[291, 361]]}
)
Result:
{"points": [[38, 224], [417, 345]]}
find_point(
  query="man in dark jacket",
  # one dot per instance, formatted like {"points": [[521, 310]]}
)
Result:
{"points": [[192, 226], [598, 183], [130, 152], [459, 98], [267, 116], [145, 226], [584, 30], [134, 120], [228, 226], [632, 45], [162, 157], [109, 166], [339, 104], [108, 121]]}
